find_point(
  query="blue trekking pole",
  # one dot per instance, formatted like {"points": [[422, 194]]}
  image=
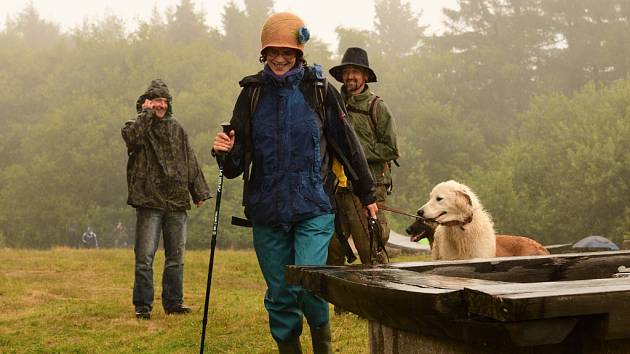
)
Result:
{"points": [[215, 227]]}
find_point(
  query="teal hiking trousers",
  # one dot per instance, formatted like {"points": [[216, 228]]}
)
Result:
{"points": [[305, 243]]}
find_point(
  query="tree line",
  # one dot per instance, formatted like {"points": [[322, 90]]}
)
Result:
{"points": [[526, 101]]}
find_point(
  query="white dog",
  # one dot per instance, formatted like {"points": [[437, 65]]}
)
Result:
{"points": [[465, 229]]}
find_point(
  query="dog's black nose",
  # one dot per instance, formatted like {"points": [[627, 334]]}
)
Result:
{"points": [[420, 212]]}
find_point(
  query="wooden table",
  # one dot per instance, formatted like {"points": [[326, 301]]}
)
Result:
{"points": [[547, 304]]}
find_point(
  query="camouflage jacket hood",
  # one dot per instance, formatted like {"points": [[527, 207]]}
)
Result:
{"points": [[157, 88]]}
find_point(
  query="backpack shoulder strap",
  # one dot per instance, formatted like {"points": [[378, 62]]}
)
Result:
{"points": [[314, 86], [254, 97], [321, 89], [372, 105], [253, 84]]}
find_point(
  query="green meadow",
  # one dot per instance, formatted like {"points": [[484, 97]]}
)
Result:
{"points": [[79, 301]]}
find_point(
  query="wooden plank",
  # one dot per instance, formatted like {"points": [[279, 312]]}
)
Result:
{"points": [[395, 277], [390, 340], [559, 288], [508, 309], [576, 266], [517, 304], [485, 338], [389, 278]]}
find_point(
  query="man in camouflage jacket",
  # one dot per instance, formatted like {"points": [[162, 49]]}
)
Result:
{"points": [[374, 126], [161, 173]]}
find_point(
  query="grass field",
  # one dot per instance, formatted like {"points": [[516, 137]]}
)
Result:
{"points": [[79, 301]]}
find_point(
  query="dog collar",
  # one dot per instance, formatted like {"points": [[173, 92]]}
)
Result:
{"points": [[459, 223]]}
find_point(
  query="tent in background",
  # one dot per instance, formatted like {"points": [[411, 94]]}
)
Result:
{"points": [[597, 242]]}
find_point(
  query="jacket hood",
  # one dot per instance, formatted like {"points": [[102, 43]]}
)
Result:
{"points": [[157, 88]]}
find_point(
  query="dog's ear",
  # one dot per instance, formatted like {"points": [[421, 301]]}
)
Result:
{"points": [[463, 196]]}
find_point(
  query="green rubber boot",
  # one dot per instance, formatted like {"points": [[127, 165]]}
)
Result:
{"points": [[321, 339], [290, 347]]}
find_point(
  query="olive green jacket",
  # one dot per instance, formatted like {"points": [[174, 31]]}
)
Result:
{"points": [[381, 148]]}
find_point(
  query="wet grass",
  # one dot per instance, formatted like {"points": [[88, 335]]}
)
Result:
{"points": [[79, 301]]}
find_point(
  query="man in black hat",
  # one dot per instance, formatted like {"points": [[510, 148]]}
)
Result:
{"points": [[374, 126]]}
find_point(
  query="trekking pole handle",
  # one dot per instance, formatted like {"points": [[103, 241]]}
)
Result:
{"points": [[226, 127]]}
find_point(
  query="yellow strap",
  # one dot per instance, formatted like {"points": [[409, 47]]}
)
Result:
{"points": [[337, 168]]}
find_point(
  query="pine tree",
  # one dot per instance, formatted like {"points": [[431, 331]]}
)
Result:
{"points": [[398, 31], [186, 25]]}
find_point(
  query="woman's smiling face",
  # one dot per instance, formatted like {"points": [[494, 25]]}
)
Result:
{"points": [[280, 59]]}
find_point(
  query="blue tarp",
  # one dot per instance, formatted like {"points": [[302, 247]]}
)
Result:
{"points": [[596, 242]]}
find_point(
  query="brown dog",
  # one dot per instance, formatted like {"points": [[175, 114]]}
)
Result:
{"points": [[507, 245]]}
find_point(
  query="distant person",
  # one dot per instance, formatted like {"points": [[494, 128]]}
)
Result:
{"points": [[89, 239], [374, 124], [288, 126], [120, 235], [161, 173]]}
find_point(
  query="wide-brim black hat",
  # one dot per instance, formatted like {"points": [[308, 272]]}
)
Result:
{"points": [[353, 57]]}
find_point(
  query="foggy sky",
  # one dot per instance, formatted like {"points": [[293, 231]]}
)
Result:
{"points": [[321, 16]]}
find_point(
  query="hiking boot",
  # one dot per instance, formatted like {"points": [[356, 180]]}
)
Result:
{"points": [[178, 310], [143, 314]]}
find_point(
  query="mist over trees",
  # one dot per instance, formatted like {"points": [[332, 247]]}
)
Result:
{"points": [[526, 101]]}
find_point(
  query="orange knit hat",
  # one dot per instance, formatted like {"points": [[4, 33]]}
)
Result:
{"points": [[284, 29]]}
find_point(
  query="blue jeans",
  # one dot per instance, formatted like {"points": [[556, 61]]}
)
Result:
{"points": [[150, 224], [306, 243]]}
